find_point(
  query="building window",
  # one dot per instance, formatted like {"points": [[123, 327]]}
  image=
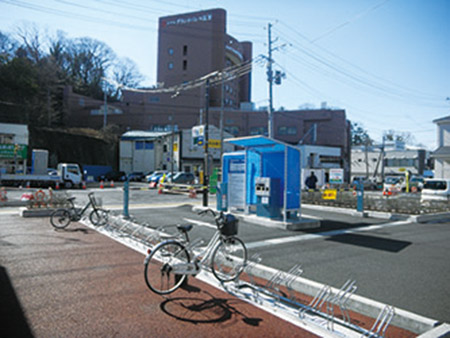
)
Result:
{"points": [[170, 65], [149, 145], [165, 148], [287, 130], [81, 102], [258, 131], [232, 130], [170, 51], [139, 145], [185, 50], [184, 64]]}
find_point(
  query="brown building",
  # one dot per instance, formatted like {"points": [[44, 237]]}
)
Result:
{"points": [[191, 46]]}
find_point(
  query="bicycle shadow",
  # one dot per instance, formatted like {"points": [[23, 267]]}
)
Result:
{"points": [[205, 309], [75, 230]]}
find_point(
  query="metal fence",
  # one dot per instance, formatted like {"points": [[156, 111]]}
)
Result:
{"points": [[402, 203]]}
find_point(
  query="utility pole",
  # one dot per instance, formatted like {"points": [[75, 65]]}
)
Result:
{"points": [[105, 113], [206, 169], [270, 79], [221, 117]]}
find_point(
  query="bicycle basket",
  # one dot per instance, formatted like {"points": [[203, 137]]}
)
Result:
{"points": [[96, 201], [229, 226]]}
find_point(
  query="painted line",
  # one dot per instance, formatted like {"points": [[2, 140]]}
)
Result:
{"points": [[206, 224], [308, 237]]}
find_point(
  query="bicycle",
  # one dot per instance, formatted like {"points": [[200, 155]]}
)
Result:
{"points": [[169, 263], [61, 218]]}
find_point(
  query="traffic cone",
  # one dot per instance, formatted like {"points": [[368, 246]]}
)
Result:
{"points": [[3, 196], [84, 185], [101, 185], [160, 189], [112, 184], [28, 185], [57, 186], [192, 192]]}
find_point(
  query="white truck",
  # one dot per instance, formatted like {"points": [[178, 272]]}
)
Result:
{"points": [[68, 176]]}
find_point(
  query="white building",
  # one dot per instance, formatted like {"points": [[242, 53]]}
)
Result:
{"points": [[13, 147], [145, 151], [371, 162], [442, 154]]}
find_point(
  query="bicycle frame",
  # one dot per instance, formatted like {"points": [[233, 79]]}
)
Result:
{"points": [[196, 265], [91, 202]]}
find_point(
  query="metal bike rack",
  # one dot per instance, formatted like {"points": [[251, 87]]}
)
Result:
{"points": [[295, 272], [316, 303], [278, 291], [382, 322]]}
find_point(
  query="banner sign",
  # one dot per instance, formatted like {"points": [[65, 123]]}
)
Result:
{"points": [[11, 151], [336, 176]]}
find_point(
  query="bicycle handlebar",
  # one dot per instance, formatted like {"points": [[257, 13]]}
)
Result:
{"points": [[217, 218]]}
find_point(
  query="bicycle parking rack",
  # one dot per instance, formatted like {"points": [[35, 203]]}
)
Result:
{"points": [[278, 291]]}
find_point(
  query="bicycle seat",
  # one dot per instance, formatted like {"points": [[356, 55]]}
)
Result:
{"points": [[184, 227]]}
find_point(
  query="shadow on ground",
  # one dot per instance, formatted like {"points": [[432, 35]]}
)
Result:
{"points": [[13, 322]]}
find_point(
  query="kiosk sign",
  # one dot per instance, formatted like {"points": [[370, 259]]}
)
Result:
{"points": [[336, 176]]}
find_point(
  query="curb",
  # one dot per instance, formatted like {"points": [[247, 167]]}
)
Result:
{"points": [[365, 306], [17, 203], [424, 218], [24, 212]]}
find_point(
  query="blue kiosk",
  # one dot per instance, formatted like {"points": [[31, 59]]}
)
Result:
{"points": [[264, 179]]}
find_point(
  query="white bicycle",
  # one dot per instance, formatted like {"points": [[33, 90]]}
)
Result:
{"points": [[170, 262]]}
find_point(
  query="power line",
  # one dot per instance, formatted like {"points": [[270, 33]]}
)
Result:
{"points": [[379, 83]]}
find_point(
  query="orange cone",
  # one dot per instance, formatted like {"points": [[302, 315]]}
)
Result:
{"points": [[112, 184], [28, 185], [57, 186], [84, 185], [192, 193], [160, 189], [101, 185]]}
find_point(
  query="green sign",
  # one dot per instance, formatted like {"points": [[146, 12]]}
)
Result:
{"points": [[11, 151], [213, 181]]}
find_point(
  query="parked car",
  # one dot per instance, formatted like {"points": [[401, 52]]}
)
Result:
{"points": [[136, 176], [369, 184], [183, 178], [155, 176], [113, 176], [415, 184], [392, 183], [436, 189]]}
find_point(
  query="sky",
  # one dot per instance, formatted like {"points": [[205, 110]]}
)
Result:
{"points": [[386, 62]]}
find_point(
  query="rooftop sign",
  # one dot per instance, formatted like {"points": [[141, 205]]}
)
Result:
{"points": [[184, 21]]}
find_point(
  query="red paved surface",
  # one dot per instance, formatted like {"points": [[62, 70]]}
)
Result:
{"points": [[78, 283]]}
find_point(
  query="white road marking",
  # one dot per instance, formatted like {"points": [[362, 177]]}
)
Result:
{"points": [[209, 225], [292, 239]]}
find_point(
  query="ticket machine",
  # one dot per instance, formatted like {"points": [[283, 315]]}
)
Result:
{"points": [[268, 197]]}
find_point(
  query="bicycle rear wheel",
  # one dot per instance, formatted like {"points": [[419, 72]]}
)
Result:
{"points": [[60, 218], [229, 259], [98, 217], [158, 267]]}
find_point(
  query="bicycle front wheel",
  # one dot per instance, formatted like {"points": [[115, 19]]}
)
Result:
{"points": [[60, 218], [158, 272], [229, 259], [98, 217]]}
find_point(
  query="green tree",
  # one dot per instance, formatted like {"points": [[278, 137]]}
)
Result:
{"points": [[359, 135]]}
